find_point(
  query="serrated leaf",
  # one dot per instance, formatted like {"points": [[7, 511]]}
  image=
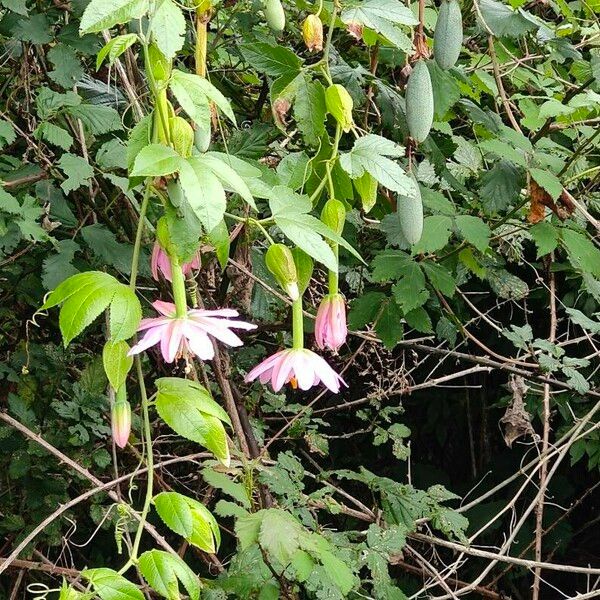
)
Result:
{"points": [[436, 234], [582, 252], [77, 170], [116, 362], [371, 154], [550, 182], [474, 230], [53, 134], [156, 160], [545, 236], [96, 118], [272, 60], [310, 110], [175, 512], [168, 28], [191, 412], [191, 87], [203, 191], [109, 585], [115, 47], [389, 325], [224, 483], [103, 14], [162, 570]]}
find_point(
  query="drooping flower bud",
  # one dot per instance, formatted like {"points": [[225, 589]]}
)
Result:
{"points": [[121, 420], [312, 32], [339, 104], [182, 136], [280, 262], [355, 29], [330, 327], [334, 215]]}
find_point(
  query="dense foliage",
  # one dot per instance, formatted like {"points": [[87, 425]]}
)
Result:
{"points": [[247, 175]]}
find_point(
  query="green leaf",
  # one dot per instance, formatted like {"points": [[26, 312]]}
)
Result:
{"points": [[57, 267], [191, 412], [436, 234], [85, 295], [439, 277], [168, 28], [67, 66], [219, 238], [223, 482], [545, 236], [410, 291], [550, 182], [103, 14], [446, 92], [109, 585], [474, 230], [389, 326], [116, 362], [364, 309], [7, 133], [583, 254], [370, 154], [162, 570], [53, 134], [97, 119], [504, 21], [156, 160], [272, 60], [17, 6], [175, 512], [419, 320], [290, 212], [500, 186], [190, 87], [384, 17], [139, 138], [35, 29], [225, 172], [279, 535], [309, 109], [582, 320], [115, 47], [104, 245], [203, 191], [77, 170]]}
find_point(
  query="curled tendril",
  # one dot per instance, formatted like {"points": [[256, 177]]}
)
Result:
{"points": [[40, 590]]}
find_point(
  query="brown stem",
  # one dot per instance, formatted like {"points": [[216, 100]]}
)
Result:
{"points": [[539, 516]]}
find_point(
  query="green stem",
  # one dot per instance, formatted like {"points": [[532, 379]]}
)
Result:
{"points": [[178, 286], [147, 434], [334, 277], [297, 324]]}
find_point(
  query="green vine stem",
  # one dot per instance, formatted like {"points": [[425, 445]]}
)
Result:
{"points": [[297, 324]]}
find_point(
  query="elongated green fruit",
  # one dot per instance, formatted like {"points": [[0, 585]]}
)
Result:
{"points": [[419, 102], [448, 35], [202, 139], [410, 213], [274, 15]]}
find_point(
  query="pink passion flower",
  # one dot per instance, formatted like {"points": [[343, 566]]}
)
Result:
{"points": [[300, 367], [177, 334], [160, 262], [330, 327]]}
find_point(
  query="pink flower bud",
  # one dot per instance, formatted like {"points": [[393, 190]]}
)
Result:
{"points": [[160, 262], [121, 422], [330, 327]]}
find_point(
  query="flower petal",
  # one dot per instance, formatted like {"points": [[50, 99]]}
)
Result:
{"points": [[284, 369], [164, 308], [199, 342], [151, 337], [170, 342]]}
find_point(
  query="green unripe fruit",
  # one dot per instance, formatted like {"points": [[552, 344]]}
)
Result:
{"points": [[274, 14], [410, 214], [182, 136], [334, 215], [419, 102], [158, 65], [280, 262], [339, 103], [202, 139], [448, 35]]}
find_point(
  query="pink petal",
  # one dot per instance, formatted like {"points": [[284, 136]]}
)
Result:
{"points": [[305, 373], [265, 366], [217, 330], [164, 308], [220, 312], [284, 369], [171, 340], [326, 374], [154, 322], [151, 337], [198, 342]]}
